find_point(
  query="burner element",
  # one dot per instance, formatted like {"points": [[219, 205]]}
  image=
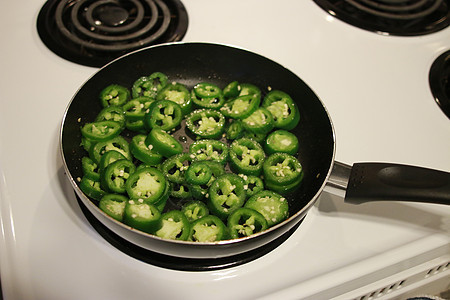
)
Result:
{"points": [[94, 32], [391, 17], [439, 78]]}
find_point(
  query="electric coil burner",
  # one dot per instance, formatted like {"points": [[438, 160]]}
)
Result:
{"points": [[94, 32], [391, 17], [439, 78]]}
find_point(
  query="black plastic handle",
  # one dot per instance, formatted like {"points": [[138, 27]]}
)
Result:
{"points": [[386, 181]]}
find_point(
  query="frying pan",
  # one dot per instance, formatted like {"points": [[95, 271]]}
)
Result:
{"points": [[191, 63]]}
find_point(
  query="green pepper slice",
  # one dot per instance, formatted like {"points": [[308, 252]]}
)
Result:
{"points": [[118, 144], [142, 216], [90, 168], [231, 90], [142, 152], [284, 110], [101, 131], [201, 191], [282, 169], [194, 210], [112, 113], [198, 172], [206, 123], [246, 156], [207, 95], [234, 129], [281, 141], [114, 177], [240, 107], [136, 108], [249, 89], [273, 206], [91, 188], [148, 184], [259, 122], [244, 222], [114, 95], [181, 191], [179, 94], [284, 189], [163, 143], [173, 225], [208, 149], [163, 114], [108, 158], [149, 86], [208, 229], [175, 167], [113, 205], [253, 184], [226, 194]]}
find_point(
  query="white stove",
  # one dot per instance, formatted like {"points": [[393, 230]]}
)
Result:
{"points": [[377, 93]]}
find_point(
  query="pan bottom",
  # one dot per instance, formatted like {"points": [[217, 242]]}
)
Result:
{"points": [[181, 263]]}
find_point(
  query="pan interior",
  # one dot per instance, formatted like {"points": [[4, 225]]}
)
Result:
{"points": [[191, 63]]}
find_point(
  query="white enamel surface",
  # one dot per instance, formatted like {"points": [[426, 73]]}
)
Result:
{"points": [[375, 88]]}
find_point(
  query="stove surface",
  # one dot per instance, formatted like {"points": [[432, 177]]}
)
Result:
{"points": [[376, 90]]}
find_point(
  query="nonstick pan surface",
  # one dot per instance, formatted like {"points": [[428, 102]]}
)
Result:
{"points": [[189, 64]]}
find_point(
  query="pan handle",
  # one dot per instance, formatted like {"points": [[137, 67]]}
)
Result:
{"points": [[366, 182]]}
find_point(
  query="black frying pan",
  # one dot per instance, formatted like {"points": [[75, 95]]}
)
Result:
{"points": [[191, 63]]}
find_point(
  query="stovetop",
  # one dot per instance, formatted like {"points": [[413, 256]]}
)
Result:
{"points": [[376, 90]]}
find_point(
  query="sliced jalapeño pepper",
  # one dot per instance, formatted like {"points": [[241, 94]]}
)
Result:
{"points": [[148, 184], [207, 95], [181, 190], [234, 130], [194, 210], [208, 229], [101, 130], [199, 173], [91, 188], [163, 143], [113, 205], [231, 90], [208, 149], [260, 121], [253, 184], [108, 158], [173, 225], [112, 113], [226, 194], [118, 144], [175, 167], [206, 123], [116, 174], [201, 191], [177, 93], [249, 89], [136, 108], [246, 156], [141, 215], [244, 222], [114, 95], [163, 114], [271, 205], [282, 169], [142, 152], [284, 110], [240, 107], [149, 86], [90, 168], [281, 141]]}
